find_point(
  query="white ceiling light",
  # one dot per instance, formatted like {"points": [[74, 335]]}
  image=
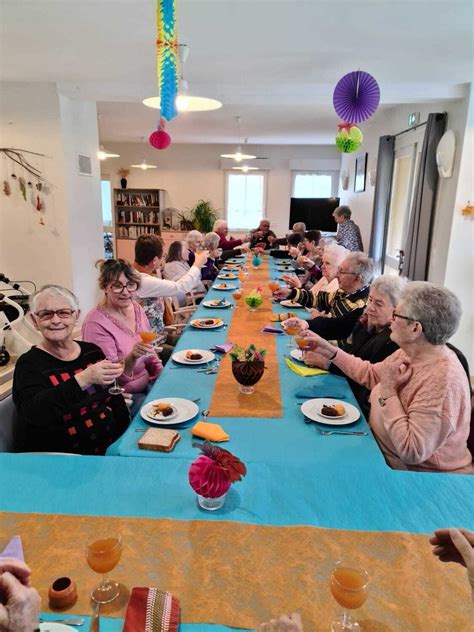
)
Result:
{"points": [[144, 165], [238, 155], [245, 168], [184, 101], [103, 154]]}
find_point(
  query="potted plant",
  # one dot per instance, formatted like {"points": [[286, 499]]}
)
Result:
{"points": [[203, 216], [248, 366], [185, 221], [212, 474]]}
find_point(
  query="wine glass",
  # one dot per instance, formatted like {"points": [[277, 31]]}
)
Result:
{"points": [[242, 275], [103, 555], [273, 286], [302, 344], [292, 330], [116, 389], [349, 587], [237, 295], [148, 337]]}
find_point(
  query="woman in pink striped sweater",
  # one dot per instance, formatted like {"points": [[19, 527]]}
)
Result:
{"points": [[420, 395]]}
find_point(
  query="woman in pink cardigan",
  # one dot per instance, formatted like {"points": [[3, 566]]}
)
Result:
{"points": [[115, 324], [420, 395]]}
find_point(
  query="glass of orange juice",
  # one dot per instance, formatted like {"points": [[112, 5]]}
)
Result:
{"points": [[103, 555], [237, 295], [148, 336], [292, 331], [349, 587], [241, 275]]}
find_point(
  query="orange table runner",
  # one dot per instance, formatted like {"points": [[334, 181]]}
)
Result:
{"points": [[245, 328], [240, 575]]}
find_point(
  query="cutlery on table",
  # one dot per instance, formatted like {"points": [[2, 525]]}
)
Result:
{"points": [[95, 623], [76, 621], [342, 432]]}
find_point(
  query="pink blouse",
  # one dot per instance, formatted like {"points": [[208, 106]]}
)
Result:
{"points": [[426, 426], [116, 340]]}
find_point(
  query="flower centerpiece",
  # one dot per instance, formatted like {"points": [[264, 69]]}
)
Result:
{"points": [[212, 474], [248, 366], [254, 299]]}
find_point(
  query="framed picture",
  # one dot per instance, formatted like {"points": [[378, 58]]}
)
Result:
{"points": [[360, 173]]}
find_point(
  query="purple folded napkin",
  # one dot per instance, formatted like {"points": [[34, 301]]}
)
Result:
{"points": [[223, 348], [14, 549], [272, 330]]}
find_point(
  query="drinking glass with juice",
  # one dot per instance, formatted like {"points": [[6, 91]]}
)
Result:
{"points": [[237, 295], [349, 587], [292, 330], [103, 555]]}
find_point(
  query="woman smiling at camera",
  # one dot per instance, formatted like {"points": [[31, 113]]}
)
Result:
{"points": [[60, 386], [420, 399]]}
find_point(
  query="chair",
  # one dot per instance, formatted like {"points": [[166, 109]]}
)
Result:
{"points": [[462, 359]]}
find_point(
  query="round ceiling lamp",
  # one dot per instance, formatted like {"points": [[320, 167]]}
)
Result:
{"points": [[245, 168], [103, 154], [356, 96], [238, 156], [144, 165]]}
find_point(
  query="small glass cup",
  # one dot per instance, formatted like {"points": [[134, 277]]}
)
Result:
{"points": [[211, 504], [349, 587], [116, 389], [237, 295], [103, 555]]}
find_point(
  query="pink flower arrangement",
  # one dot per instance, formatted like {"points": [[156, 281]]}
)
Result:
{"points": [[214, 471]]}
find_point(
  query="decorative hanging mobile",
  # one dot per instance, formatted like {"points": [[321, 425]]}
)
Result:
{"points": [[348, 138], [167, 57], [17, 157], [159, 139], [356, 97]]}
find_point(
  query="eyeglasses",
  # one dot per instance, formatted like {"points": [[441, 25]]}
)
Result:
{"points": [[413, 320], [118, 288], [48, 314], [346, 272]]}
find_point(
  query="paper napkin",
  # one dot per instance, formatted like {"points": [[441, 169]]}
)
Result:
{"points": [[212, 432], [14, 549], [223, 348], [304, 371], [272, 330], [152, 610]]}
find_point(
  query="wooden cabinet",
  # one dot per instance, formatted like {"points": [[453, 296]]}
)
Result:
{"points": [[136, 212], [169, 236]]}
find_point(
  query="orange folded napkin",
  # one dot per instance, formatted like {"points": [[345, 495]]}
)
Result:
{"points": [[152, 610], [212, 432]]}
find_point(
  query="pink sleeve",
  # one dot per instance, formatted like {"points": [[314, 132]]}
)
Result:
{"points": [[94, 332], [360, 371]]}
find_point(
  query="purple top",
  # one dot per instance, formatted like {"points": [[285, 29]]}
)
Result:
{"points": [[116, 340]]}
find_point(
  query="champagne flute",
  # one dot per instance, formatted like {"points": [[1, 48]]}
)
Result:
{"points": [[103, 555], [116, 389], [349, 587]]}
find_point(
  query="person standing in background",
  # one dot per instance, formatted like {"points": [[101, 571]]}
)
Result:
{"points": [[348, 233]]}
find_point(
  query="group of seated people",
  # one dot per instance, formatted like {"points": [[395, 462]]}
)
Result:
{"points": [[388, 337]]}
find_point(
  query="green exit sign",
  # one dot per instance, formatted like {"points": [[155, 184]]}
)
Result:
{"points": [[413, 119]]}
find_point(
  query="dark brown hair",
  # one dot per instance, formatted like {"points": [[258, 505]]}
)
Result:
{"points": [[175, 252], [313, 235], [147, 247], [111, 269]]}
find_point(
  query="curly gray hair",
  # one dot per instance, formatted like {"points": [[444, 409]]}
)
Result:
{"points": [[54, 290], [391, 286], [361, 265], [211, 241], [436, 308], [343, 211]]}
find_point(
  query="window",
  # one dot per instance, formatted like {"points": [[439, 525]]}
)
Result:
{"points": [[315, 184], [106, 203], [245, 203]]}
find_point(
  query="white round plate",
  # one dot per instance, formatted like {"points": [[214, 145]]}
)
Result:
{"points": [[52, 626], [211, 304], [290, 304], [185, 407], [160, 417], [228, 275], [180, 356], [312, 409], [218, 322], [226, 287], [297, 354]]}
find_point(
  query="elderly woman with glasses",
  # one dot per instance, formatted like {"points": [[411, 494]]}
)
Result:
{"points": [[116, 325], [60, 386], [420, 395]]}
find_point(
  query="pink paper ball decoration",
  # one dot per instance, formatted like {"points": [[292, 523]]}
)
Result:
{"points": [[159, 139], [207, 478]]}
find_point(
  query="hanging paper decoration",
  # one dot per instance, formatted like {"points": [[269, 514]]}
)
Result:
{"points": [[348, 138], [167, 57], [356, 96], [159, 139]]}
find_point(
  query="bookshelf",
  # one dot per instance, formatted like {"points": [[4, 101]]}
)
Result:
{"points": [[136, 212]]}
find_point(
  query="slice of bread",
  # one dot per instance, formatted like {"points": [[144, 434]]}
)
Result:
{"points": [[159, 439]]}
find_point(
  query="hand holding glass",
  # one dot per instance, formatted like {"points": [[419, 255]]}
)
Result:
{"points": [[103, 555], [116, 389]]}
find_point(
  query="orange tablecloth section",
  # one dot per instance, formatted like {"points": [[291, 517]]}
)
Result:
{"points": [[245, 328], [239, 575]]}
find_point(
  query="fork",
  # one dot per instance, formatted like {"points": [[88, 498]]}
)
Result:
{"points": [[342, 432]]}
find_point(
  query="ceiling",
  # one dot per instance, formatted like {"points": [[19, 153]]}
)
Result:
{"points": [[273, 62]]}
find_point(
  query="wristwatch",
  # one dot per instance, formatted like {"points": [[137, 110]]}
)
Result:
{"points": [[383, 400]]}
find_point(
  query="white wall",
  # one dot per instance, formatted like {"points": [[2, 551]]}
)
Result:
{"points": [[34, 117], [191, 172]]}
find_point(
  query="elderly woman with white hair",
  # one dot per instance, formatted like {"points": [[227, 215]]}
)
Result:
{"points": [[348, 233], [220, 227], [420, 395], [211, 243], [332, 257], [60, 386], [193, 243]]}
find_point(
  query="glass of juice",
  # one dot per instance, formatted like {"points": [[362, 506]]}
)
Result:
{"points": [[148, 336], [103, 555], [116, 389], [237, 295], [241, 275], [273, 285], [349, 587], [292, 331]]}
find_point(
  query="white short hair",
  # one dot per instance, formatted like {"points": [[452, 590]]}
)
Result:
{"points": [[193, 235], [211, 240], [299, 227], [391, 286], [54, 290], [336, 253], [218, 224], [361, 265]]}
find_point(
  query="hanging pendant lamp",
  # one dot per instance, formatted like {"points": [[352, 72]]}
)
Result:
{"points": [[238, 155]]}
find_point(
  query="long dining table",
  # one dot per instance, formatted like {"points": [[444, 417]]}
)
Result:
{"points": [[308, 499]]}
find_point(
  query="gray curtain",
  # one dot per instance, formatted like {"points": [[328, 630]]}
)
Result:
{"points": [[383, 185], [420, 228]]}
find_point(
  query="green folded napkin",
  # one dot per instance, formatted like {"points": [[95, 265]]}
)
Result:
{"points": [[304, 371], [328, 385]]}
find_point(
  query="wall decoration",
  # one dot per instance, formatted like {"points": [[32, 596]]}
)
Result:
{"points": [[348, 138], [159, 139], [167, 57], [356, 96], [360, 173], [123, 173]]}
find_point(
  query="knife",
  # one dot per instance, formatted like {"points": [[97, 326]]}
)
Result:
{"points": [[77, 621], [95, 625]]}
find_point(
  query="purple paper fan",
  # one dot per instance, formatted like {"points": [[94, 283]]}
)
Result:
{"points": [[356, 96]]}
